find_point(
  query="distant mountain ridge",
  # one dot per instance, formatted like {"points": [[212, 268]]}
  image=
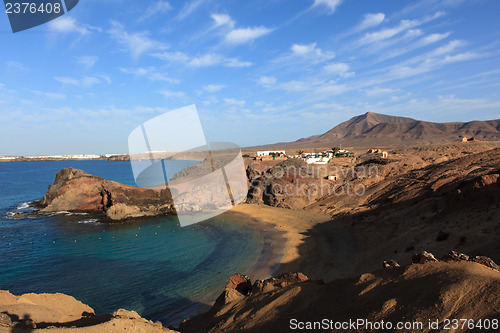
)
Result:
{"points": [[374, 129]]}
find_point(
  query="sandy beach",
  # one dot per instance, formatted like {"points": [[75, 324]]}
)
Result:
{"points": [[308, 235]]}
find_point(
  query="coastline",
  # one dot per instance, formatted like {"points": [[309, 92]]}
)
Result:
{"points": [[292, 223], [334, 247]]}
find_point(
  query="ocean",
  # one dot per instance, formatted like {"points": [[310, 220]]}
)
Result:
{"points": [[152, 266]]}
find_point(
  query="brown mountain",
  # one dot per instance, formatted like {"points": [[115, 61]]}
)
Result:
{"points": [[377, 129]]}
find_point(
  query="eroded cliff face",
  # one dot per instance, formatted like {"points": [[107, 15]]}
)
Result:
{"points": [[77, 191]]}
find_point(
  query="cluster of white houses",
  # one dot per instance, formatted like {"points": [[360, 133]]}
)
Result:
{"points": [[311, 158]]}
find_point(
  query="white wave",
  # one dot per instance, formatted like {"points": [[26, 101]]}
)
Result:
{"points": [[87, 221], [25, 205], [65, 212]]}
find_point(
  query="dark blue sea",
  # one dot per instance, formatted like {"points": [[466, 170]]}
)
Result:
{"points": [[152, 266]]}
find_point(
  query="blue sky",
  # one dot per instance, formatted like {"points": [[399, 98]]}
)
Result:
{"points": [[258, 71]]}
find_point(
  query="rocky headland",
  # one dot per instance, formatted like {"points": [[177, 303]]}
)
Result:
{"points": [[77, 191]]}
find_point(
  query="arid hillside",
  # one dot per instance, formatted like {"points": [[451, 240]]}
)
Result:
{"points": [[423, 297], [383, 130]]}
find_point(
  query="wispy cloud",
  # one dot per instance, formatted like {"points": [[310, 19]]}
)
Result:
{"points": [[424, 41], [246, 35], [339, 68], [87, 61], [311, 52], [377, 91], [267, 81], [136, 43], [205, 60], [370, 21], [159, 7], [151, 73], [16, 66], [189, 8], [234, 102], [330, 5], [68, 24], [386, 33], [49, 95], [211, 88], [172, 94], [222, 20], [86, 81]]}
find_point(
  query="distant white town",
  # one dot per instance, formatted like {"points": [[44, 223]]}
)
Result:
{"points": [[54, 157]]}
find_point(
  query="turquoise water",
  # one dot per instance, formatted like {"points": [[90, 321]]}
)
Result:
{"points": [[151, 266]]}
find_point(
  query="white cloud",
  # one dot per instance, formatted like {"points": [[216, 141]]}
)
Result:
{"points": [[233, 62], [222, 20], [211, 88], [189, 8], [433, 38], [299, 49], [461, 57], [54, 96], [267, 81], [380, 91], [370, 21], [246, 35], [136, 43], [387, 33], [331, 5], [87, 61], [172, 94], [159, 7], [67, 80], [86, 81], [17, 66], [384, 34], [172, 56], [295, 86], [104, 77], [151, 73], [339, 68], [311, 52], [234, 102], [68, 24], [205, 60]]}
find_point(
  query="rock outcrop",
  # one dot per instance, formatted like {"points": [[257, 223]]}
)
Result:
{"points": [[289, 184], [77, 191], [59, 312]]}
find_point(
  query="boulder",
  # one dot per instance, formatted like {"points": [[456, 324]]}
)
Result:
{"points": [[455, 256], [485, 261], [390, 263], [423, 257], [240, 283]]}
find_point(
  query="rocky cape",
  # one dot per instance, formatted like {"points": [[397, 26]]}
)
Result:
{"points": [[77, 191]]}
